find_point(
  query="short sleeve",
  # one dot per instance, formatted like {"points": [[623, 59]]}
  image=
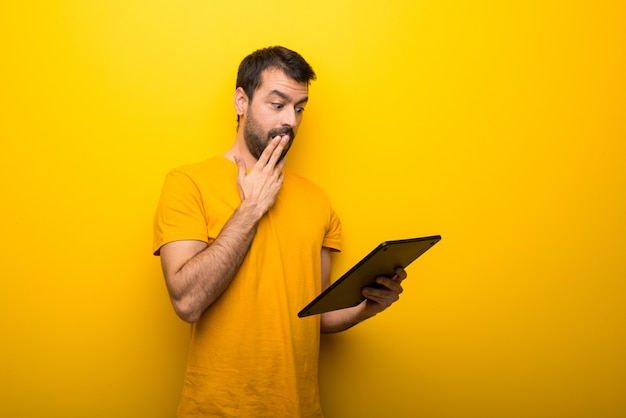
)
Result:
{"points": [[332, 239], [180, 212]]}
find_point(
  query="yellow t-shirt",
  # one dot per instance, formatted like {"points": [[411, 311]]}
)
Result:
{"points": [[250, 355]]}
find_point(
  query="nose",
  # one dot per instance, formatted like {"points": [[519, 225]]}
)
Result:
{"points": [[290, 117]]}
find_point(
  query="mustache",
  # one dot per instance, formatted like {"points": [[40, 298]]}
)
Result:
{"points": [[283, 130]]}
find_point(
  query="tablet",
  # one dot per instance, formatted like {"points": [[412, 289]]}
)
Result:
{"points": [[381, 261]]}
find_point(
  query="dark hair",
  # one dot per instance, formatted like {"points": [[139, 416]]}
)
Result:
{"points": [[281, 58]]}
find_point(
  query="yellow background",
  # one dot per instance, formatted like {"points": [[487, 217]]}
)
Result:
{"points": [[499, 125]]}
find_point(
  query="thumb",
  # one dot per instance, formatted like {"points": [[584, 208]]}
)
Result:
{"points": [[241, 175]]}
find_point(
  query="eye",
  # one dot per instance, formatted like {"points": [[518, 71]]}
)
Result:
{"points": [[277, 105], [299, 109]]}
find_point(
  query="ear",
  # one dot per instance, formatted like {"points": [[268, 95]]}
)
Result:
{"points": [[241, 101]]}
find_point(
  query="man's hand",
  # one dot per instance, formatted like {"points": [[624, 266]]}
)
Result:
{"points": [[261, 185], [380, 298], [377, 299]]}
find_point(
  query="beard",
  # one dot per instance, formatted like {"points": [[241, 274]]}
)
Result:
{"points": [[257, 140]]}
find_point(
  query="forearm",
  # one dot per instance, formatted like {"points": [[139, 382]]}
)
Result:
{"points": [[203, 278], [343, 319]]}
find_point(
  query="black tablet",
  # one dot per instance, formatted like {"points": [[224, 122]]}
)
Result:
{"points": [[381, 261]]}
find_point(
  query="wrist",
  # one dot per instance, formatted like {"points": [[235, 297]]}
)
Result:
{"points": [[250, 211]]}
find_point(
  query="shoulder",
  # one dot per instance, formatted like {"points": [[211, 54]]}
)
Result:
{"points": [[309, 195], [214, 164], [303, 185], [203, 174]]}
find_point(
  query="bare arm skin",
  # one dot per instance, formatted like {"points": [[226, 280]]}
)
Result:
{"points": [[377, 300], [197, 273]]}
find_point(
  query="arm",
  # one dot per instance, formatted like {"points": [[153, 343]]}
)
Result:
{"points": [[197, 273], [377, 299]]}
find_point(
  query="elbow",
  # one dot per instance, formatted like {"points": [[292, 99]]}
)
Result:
{"points": [[186, 310], [189, 317]]}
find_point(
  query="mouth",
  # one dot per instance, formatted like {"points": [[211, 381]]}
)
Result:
{"points": [[283, 130]]}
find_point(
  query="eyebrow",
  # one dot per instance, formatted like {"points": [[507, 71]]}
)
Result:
{"points": [[286, 97]]}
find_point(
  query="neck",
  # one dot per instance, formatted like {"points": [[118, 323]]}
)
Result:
{"points": [[240, 150]]}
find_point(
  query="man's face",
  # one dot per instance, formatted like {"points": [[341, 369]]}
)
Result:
{"points": [[276, 109]]}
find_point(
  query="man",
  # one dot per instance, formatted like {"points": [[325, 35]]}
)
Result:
{"points": [[245, 244]]}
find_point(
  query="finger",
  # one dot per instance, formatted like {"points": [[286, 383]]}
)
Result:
{"points": [[391, 284], [279, 166], [400, 275], [241, 175], [278, 150], [269, 149], [241, 167], [383, 297]]}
